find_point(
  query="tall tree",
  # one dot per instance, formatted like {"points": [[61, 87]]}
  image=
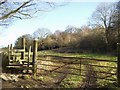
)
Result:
{"points": [[104, 16], [70, 29], [41, 33], [28, 41], [116, 24], [118, 7]]}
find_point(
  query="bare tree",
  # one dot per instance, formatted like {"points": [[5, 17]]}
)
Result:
{"points": [[28, 39], [10, 10], [118, 6], [41, 33], [104, 15], [117, 22]]}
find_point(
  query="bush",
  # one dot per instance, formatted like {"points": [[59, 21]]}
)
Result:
{"points": [[93, 40]]}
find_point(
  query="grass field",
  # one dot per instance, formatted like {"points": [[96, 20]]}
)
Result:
{"points": [[81, 55], [56, 69], [76, 81]]}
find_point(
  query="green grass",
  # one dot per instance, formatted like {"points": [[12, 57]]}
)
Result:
{"points": [[73, 81], [80, 55]]}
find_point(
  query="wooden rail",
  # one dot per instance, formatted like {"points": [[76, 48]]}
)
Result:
{"points": [[75, 68], [57, 67], [79, 74], [78, 61]]}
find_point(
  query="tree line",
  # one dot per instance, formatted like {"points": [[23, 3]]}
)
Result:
{"points": [[100, 35], [84, 38]]}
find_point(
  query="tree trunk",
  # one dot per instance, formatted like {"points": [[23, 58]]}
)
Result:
{"points": [[108, 46]]}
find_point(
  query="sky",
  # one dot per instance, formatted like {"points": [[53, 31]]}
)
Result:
{"points": [[74, 13]]}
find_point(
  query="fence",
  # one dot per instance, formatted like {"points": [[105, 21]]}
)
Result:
{"points": [[85, 67]]}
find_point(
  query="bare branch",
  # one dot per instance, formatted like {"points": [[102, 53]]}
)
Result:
{"points": [[14, 11], [2, 2], [29, 5], [25, 14], [16, 17], [22, 10]]}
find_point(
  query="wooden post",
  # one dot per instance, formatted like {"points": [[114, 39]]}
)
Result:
{"points": [[34, 58], [118, 45], [118, 64], [28, 62], [11, 49], [80, 68], [23, 47], [9, 53]]}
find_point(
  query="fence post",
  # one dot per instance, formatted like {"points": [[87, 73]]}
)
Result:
{"points": [[118, 64], [80, 68], [28, 62], [11, 49], [9, 53], [34, 58], [23, 47]]}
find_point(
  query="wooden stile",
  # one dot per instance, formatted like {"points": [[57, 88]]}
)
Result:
{"points": [[25, 63]]}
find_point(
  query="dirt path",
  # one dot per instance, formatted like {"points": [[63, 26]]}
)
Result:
{"points": [[20, 81], [27, 81]]}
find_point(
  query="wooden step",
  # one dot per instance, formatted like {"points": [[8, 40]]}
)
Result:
{"points": [[18, 64], [15, 64], [18, 50], [20, 67]]}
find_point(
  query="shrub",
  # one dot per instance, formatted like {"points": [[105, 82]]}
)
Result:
{"points": [[93, 40]]}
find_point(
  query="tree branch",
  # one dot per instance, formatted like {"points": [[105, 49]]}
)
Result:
{"points": [[14, 11], [16, 16], [3, 2], [25, 14]]}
